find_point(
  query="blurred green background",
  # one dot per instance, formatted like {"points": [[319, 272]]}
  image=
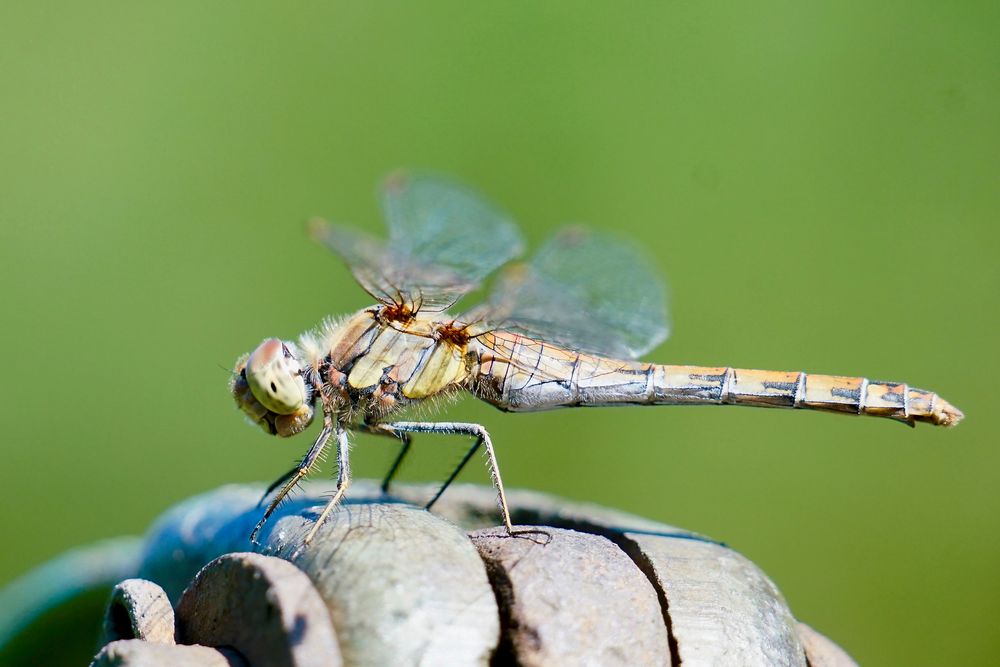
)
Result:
{"points": [[819, 182]]}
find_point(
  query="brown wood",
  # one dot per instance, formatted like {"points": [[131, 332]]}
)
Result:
{"points": [[720, 608], [264, 608], [398, 585], [138, 609], [402, 585], [571, 598], [139, 653], [723, 610], [821, 652]]}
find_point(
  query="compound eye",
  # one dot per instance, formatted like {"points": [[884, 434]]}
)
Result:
{"points": [[274, 377]]}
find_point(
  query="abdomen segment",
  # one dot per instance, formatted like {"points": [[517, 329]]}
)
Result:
{"points": [[811, 391], [519, 374]]}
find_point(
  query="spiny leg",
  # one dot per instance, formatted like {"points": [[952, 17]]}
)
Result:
{"points": [[379, 429], [296, 476], [343, 481], [483, 437], [278, 482]]}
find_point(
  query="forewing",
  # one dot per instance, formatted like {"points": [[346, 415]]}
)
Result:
{"points": [[437, 222], [585, 290], [443, 240], [389, 275]]}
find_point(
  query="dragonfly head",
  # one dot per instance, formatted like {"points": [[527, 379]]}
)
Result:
{"points": [[269, 386]]}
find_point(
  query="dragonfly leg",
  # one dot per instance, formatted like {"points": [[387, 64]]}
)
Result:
{"points": [[278, 482], [454, 473], [482, 439], [294, 476], [343, 481], [291, 478], [379, 429]]}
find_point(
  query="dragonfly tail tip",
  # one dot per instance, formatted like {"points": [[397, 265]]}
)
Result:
{"points": [[946, 414]]}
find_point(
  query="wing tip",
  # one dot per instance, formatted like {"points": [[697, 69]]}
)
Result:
{"points": [[395, 181], [317, 228]]}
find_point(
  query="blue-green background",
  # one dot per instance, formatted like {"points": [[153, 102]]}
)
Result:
{"points": [[820, 183]]}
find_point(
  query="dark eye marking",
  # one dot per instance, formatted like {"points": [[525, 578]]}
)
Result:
{"points": [[274, 389]]}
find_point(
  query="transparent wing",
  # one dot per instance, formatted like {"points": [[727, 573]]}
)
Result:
{"points": [[392, 276], [444, 239], [584, 290]]}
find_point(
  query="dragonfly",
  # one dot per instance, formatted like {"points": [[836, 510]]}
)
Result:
{"points": [[563, 329]]}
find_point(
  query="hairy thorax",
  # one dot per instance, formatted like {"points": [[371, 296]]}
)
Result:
{"points": [[381, 361]]}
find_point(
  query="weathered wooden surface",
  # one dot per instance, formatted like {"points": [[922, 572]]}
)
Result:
{"points": [[721, 609], [473, 506], [138, 653], [570, 598], [820, 651], [393, 584], [193, 532], [403, 586], [264, 608], [138, 609], [712, 605]]}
